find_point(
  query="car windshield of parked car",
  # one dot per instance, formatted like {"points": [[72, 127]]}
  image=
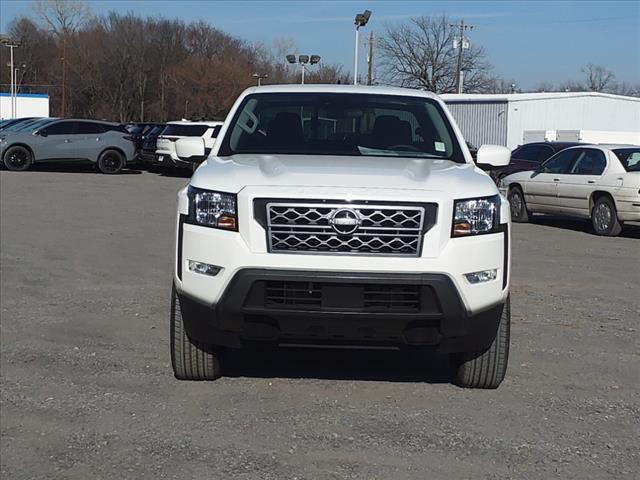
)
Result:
{"points": [[16, 127], [341, 124], [630, 158], [182, 130]]}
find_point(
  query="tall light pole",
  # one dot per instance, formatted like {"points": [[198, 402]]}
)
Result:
{"points": [[303, 60], [361, 20], [11, 44]]}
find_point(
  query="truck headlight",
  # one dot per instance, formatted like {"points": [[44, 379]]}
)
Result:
{"points": [[213, 209], [475, 216]]}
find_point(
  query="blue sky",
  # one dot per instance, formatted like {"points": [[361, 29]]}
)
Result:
{"points": [[528, 42]]}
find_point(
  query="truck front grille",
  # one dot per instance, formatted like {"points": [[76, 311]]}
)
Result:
{"points": [[346, 229]]}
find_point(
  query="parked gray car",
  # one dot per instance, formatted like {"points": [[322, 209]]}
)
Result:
{"points": [[108, 145]]}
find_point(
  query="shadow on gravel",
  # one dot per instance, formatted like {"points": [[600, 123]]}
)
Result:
{"points": [[173, 172], [338, 364], [73, 168], [579, 225]]}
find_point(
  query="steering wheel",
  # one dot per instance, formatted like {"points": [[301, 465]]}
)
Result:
{"points": [[404, 147]]}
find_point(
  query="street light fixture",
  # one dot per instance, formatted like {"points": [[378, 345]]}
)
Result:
{"points": [[303, 60], [259, 77], [11, 44], [361, 20]]}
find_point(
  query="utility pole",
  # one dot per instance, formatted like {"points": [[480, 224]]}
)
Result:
{"points": [[11, 44], [370, 60], [461, 43], [64, 69]]}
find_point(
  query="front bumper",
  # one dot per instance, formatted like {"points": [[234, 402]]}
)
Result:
{"points": [[411, 309], [441, 256]]}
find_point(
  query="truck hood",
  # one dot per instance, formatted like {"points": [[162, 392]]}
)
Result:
{"points": [[232, 174]]}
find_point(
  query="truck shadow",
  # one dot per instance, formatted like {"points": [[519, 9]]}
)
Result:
{"points": [[629, 230], [338, 364]]}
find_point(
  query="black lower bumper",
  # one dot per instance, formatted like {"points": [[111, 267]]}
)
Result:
{"points": [[342, 308]]}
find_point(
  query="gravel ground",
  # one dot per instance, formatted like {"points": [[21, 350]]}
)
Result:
{"points": [[87, 388]]}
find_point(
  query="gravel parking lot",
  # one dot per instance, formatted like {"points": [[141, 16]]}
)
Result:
{"points": [[88, 392]]}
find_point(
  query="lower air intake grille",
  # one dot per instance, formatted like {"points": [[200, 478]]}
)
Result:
{"points": [[364, 298]]}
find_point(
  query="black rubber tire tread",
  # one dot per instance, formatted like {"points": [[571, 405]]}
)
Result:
{"points": [[524, 214], [616, 226], [11, 167], [487, 369], [102, 167], [190, 360]]}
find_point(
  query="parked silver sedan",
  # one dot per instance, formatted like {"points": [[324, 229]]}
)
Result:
{"points": [[600, 182], [108, 145]]}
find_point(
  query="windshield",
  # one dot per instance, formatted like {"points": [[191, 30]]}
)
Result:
{"points": [[37, 124], [21, 124], [179, 130], [341, 124], [630, 158]]}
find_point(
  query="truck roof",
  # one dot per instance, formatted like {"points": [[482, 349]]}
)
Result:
{"points": [[334, 88]]}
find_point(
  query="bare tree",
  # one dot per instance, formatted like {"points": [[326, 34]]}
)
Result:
{"points": [[500, 85], [329, 73], [420, 54], [627, 89], [545, 87], [598, 78], [62, 16], [571, 86]]}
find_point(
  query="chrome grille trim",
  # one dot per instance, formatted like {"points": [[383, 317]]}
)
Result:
{"points": [[385, 230]]}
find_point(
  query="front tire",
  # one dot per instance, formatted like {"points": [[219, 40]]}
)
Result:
{"points": [[486, 369], [17, 158], [191, 360], [604, 217], [111, 162], [517, 205]]}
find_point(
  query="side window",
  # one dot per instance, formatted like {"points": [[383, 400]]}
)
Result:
{"points": [[527, 152], [60, 128], [589, 162], [215, 131], [559, 163], [89, 128], [544, 153]]}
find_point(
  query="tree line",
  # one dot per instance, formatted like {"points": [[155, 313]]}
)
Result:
{"points": [[124, 67]]}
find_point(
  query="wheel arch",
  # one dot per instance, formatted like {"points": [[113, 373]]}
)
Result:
{"points": [[515, 185], [116, 149], [596, 194], [19, 144]]}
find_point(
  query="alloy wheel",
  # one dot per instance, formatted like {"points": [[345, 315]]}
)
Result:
{"points": [[603, 217]]}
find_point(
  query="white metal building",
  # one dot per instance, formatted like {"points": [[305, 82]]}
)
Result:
{"points": [[504, 119], [27, 105]]}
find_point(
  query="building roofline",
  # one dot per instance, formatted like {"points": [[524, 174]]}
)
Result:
{"points": [[25, 95], [519, 97]]}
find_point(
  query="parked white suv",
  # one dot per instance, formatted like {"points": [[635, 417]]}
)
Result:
{"points": [[367, 223], [165, 146]]}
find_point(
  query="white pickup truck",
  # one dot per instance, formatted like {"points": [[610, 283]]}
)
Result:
{"points": [[342, 215]]}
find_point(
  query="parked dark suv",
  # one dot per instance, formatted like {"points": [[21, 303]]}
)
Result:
{"points": [[529, 157], [148, 152]]}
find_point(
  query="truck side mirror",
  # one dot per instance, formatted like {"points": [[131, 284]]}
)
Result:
{"points": [[493, 155]]}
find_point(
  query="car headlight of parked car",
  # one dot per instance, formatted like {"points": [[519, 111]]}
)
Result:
{"points": [[476, 216], [213, 209]]}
